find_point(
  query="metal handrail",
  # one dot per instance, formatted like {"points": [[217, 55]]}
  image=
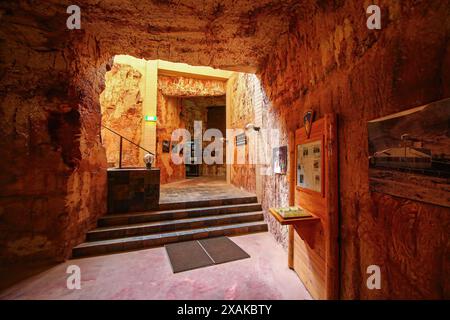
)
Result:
{"points": [[120, 146]]}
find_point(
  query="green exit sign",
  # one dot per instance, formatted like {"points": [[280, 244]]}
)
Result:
{"points": [[151, 118]]}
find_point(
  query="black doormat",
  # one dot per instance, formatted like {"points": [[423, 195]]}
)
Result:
{"points": [[222, 249], [187, 255], [184, 256]]}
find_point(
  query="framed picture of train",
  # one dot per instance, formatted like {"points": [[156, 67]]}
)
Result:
{"points": [[409, 154]]}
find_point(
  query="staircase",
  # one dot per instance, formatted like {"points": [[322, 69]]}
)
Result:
{"points": [[173, 222]]}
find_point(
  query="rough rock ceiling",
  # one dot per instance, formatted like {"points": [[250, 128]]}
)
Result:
{"points": [[229, 34]]}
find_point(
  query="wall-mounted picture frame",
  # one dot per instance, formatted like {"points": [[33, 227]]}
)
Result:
{"points": [[280, 160], [409, 154], [166, 146], [241, 139]]}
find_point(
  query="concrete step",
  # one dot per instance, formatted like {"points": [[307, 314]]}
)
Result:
{"points": [[206, 203], [129, 230], [141, 217], [159, 239]]}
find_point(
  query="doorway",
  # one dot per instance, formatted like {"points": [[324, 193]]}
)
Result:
{"points": [[209, 113]]}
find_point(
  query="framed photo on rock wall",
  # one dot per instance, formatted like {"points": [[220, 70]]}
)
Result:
{"points": [[166, 146], [280, 160], [409, 154]]}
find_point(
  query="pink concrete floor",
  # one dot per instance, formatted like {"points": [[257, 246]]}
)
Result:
{"points": [[147, 274]]}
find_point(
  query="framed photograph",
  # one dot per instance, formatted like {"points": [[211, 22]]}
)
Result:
{"points": [[280, 160], [166, 146], [241, 139], [409, 154]]}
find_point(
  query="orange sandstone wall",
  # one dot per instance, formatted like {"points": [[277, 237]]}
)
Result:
{"points": [[169, 119], [121, 104], [52, 163], [251, 105], [330, 62], [242, 111], [190, 87]]}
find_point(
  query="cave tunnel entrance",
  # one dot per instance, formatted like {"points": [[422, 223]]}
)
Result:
{"points": [[144, 102]]}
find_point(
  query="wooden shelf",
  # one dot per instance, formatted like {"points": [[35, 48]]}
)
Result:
{"points": [[291, 221], [306, 227]]}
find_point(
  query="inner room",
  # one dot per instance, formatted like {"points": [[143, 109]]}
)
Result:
{"points": [[184, 96]]}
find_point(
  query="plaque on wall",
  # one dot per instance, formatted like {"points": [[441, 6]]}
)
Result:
{"points": [[241, 139], [309, 166]]}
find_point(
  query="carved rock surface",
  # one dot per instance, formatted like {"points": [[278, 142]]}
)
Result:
{"points": [[53, 166], [121, 104], [250, 105], [331, 62], [184, 87]]}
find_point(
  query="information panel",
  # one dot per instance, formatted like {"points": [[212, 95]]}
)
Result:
{"points": [[309, 166]]}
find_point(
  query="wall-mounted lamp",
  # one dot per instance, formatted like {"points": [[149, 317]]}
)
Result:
{"points": [[150, 118], [252, 126]]}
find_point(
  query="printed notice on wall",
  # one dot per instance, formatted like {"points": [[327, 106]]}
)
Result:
{"points": [[309, 166]]}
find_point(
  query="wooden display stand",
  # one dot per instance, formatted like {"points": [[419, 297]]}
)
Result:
{"points": [[313, 243], [306, 227]]}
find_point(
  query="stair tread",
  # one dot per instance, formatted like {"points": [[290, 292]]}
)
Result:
{"points": [[167, 234], [170, 202], [199, 202], [113, 215], [160, 212], [174, 221]]}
